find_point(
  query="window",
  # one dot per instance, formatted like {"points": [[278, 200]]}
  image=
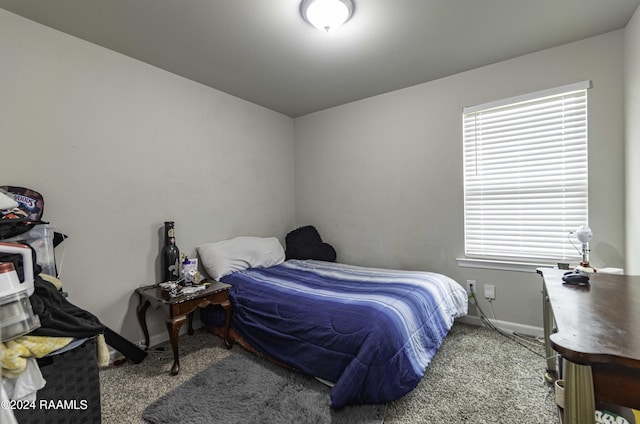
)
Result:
{"points": [[525, 175]]}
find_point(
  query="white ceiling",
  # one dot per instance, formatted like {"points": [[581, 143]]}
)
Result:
{"points": [[264, 52]]}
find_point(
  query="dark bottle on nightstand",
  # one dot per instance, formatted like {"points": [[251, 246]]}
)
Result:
{"points": [[170, 254]]}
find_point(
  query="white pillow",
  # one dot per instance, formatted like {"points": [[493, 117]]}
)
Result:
{"points": [[236, 254]]}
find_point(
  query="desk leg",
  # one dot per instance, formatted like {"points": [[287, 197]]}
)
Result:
{"points": [[173, 327], [226, 305], [142, 319], [549, 325], [579, 401]]}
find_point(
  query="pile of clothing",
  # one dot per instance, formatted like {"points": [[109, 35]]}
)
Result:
{"points": [[63, 325]]}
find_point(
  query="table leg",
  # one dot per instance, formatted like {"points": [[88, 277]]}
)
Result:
{"points": [[226, 305], [191, 324], [142, 319], [173, 327]]}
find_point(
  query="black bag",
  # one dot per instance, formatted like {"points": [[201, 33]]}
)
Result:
{"points": [[23, 218]]}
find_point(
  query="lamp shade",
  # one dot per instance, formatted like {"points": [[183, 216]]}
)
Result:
{"points": [[326, 14], [584, 234]]}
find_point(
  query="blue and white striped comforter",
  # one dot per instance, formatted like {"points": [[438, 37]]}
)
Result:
{"points": [[370, 331]]}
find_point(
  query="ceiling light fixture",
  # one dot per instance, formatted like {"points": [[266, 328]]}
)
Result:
{"points": [[326, 14]]}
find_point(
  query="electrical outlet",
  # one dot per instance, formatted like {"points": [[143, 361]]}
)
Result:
{"points": [[471, 286], [489, 291]]}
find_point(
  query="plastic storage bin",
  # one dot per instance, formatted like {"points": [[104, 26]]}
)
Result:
{"points": [[40, 237], [72, 392]]}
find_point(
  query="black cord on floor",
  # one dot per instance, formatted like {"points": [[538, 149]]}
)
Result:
{"points": [[485, 320]]}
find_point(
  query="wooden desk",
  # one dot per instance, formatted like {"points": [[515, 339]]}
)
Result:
{"points": [[181, 306], [598, 326]]}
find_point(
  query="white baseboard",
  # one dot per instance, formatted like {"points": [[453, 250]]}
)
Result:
{"points": [[510, 327], [114, 355], [154, 339]]}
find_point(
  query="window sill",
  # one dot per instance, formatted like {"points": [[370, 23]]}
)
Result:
{"points": [[501, 265]]}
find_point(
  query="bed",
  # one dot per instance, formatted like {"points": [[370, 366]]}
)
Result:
{"points": [[369, 332]]}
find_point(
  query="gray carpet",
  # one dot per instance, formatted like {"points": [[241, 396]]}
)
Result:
{"points": [[478, 376], [244, 388]]}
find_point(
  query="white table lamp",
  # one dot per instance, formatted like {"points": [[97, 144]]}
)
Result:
{"points": [[584, 235]]}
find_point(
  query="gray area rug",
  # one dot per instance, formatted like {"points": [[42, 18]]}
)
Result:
{"points": [[244, 388]]}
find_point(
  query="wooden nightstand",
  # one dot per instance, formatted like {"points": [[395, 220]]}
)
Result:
{"points": [[179, 308]]}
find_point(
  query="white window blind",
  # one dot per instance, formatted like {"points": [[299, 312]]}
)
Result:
{"points": [[525, 175]]}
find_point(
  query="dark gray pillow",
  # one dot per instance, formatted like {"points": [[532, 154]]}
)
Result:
{"points": [[306, 243]]}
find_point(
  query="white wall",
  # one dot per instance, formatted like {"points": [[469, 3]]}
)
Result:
{"points": [[632, 143], [382, 180], [117, 147]]}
